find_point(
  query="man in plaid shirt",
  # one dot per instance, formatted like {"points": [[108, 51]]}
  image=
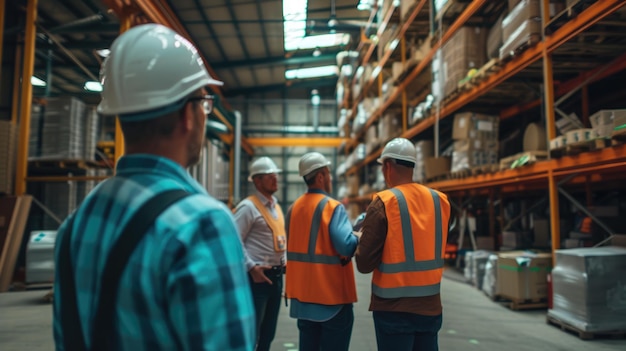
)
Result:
{"points": [[185, 286]]}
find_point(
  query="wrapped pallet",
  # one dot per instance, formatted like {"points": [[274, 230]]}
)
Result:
{"points": [[522, 26], [589, 287], [490, 279], [479, 259]]}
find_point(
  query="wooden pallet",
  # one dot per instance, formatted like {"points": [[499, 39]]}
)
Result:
{"points": [[585, 146], [464, 173], [532, 304], [582, 334], [437, 178], [485, 169], [530, 41], [63, 164], [619, 137], [525, 158]]}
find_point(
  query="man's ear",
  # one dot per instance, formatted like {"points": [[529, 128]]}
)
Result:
{"points": [[186, 117]]}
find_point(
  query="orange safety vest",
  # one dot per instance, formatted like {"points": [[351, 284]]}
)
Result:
{"points": [[417, 231], [276, 225], [314, 270]]}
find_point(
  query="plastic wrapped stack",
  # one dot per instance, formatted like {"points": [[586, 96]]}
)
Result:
{"points": [[490, 279], [40, 256], [589, 286], [62, 135], [91, 134], [61, 198], [479, 259], [424, 150], [469, 266]]}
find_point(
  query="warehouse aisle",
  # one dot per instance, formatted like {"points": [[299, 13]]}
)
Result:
{"points": [[471, 322]]}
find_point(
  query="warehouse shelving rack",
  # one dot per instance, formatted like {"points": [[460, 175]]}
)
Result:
{"points": [[586, 169]]}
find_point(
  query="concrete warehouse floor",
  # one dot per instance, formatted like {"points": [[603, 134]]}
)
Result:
{"points": [[471, 322]]}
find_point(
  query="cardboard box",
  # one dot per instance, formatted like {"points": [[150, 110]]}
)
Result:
{"points": [[485, 243], [523, 275], [515, 240], [494, 39], [462, 160], [469, 125], [424, 149], [475, 144], [604, 121], [465, 50], [618, 240], [353, 184], [396, 70], [436, 166], [405, 7]]}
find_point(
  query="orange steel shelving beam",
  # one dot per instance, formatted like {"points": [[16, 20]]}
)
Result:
{"points": [[610, 159]]}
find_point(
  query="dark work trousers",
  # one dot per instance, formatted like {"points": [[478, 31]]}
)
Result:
{"points": [[401, 331], [332, 335], [266, 306]]}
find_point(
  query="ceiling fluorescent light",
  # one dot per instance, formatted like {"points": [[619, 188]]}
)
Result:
{"points": [[93, 86], [312, 72], [323, 41], [37, 82]]}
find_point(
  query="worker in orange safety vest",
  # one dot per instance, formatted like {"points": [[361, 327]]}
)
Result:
{"points": [[320, 276], [403, 242]]}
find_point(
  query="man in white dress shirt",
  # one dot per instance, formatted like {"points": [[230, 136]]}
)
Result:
{"points": [[262, 229]]}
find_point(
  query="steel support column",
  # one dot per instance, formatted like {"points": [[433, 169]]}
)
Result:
{"points": [[26, 97]]}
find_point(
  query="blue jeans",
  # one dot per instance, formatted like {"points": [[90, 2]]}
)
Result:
{"points": [[266, 306], [402, 331], [332, 335]]}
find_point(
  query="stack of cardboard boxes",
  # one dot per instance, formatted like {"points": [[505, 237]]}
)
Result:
{"points": [[424, 150], [465, 50], [476, 140]]}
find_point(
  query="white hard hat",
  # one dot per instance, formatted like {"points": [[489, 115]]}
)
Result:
{"points": [[399, 149], [149, 69], [263, 165], [310, 162]]}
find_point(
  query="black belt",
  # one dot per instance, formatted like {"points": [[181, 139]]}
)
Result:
{"points": [[275, 271]]}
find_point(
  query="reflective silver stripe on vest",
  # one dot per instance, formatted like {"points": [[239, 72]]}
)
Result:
{"points": [[310, 256], [406, 291], [411, 265]]}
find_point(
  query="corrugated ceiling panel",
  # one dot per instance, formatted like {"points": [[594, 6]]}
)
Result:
{"points": [[246, 76], [253, 39]]}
